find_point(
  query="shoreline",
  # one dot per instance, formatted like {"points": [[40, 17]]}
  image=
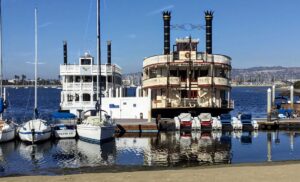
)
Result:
{"points": [[266, 171]]}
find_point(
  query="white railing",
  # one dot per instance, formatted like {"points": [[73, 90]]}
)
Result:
{"points": [[160, 59], [216, 58], [78, 86], [221, 81], [217, 81], [78, 104], [88, 69], [162, 81]]}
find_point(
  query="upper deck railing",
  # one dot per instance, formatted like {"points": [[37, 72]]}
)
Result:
{"points": [[75, 69], [201, 57]]}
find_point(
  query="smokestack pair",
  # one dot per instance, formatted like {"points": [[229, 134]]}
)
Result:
{"points": [[65, 48], [167, 20]]}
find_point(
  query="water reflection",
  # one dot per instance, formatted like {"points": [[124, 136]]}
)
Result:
{"points": [[159, 149]]}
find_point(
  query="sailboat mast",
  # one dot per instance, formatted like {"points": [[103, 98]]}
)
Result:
{"points": [[99, 57], [1, 62], [36, 62]]}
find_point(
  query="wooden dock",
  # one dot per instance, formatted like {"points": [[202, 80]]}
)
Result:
{"points": [[136, 126], [293, 123]]}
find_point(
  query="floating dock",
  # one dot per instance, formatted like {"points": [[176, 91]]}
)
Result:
{"points": [[293, 123], [136, 126], [168, 124]]}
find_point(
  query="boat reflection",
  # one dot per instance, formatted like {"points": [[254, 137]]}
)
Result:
{"points": [[181, 149], [191, 148], [35, 153], [6, 150], [90, 154]]}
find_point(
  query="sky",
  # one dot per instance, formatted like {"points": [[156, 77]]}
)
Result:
{"points": [[251, 32]]}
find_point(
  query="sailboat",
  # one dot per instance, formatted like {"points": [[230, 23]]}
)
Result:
{"points": [[99, 128], [7, 129], [36, 129]]}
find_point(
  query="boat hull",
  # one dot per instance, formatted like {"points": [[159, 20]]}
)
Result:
{"points": [[68, 133], [37, 137], [95, 134], [7, 135], [41, 131], [64, 131]]}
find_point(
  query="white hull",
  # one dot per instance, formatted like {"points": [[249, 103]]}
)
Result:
{"points": [[68, 133], [95, 134], [7, 134], [41, 131]]}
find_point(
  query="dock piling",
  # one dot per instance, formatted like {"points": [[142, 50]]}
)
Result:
{"points": [[269, 104], [273, 95], [292, 97]]}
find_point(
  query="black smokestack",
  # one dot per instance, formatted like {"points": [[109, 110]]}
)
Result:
{"points": [[108, 52], [65, 52], [209, 17], [167, 20]]}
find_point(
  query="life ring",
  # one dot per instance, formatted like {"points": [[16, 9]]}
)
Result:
{"points": [[187, 55]]}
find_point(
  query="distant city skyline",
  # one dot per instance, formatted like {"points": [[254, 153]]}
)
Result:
{"points": [[253, 33]]}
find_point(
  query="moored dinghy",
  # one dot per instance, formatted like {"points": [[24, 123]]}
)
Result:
{"points": [[205, 120], [64, 125], [184, 121], [36, 129]]}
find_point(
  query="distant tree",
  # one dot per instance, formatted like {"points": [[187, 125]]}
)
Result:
{"points": [[297, 85]]}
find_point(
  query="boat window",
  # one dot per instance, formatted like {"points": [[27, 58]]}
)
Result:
{"points": [[134, 105], [86, 61], [184, 94], [69, 78], [124, 103], [194, 94], [87, 79], [183, 75], [152, 73], [95, 97], [109, 78], [86, 97], [173, 72], [77, 79], [76, 97], [69, 98], [203, 72]]}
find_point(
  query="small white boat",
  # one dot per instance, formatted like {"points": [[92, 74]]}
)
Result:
{"points": [[216, 124], [205, 120], [236, 123], [64, 125], [35, 130], [246, 119], [94, 130], [7, 131], [184, 121]]}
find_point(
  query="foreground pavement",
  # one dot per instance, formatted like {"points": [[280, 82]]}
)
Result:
{"points": [[257, 172]]}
